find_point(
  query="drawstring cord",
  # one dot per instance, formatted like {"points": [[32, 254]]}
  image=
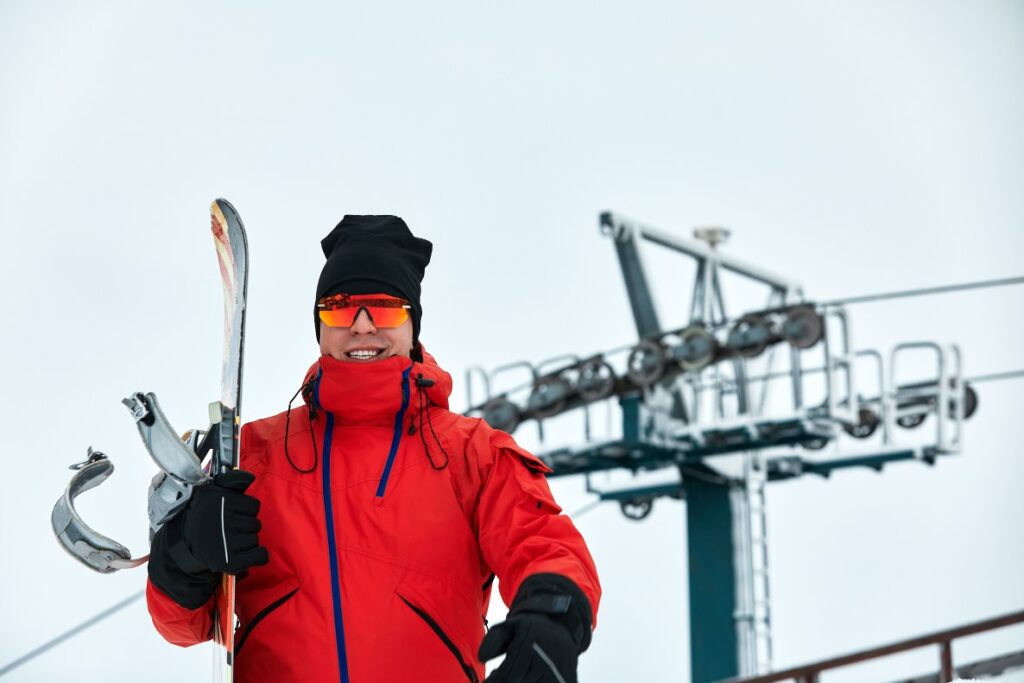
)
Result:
{"points": [[304, 389], [421, 385]]}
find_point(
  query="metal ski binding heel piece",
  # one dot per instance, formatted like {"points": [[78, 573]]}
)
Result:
{"points": [[180, 459], [86, 545], [180, 466]]}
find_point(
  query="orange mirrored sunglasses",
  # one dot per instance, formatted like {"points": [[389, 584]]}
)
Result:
{"points": [[340, 310]]}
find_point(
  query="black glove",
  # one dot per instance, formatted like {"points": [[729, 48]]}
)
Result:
{"points": [[547, 628], [216, 533]]}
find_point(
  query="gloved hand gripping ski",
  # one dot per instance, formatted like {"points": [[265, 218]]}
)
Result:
{"points": [[547, 628], [216, 533]]}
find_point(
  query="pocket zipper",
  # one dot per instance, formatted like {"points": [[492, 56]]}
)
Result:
{"points": [[466, 668], [240, 640]]}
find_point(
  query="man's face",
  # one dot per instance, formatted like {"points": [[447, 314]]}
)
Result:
{"points": [[356, 343]]}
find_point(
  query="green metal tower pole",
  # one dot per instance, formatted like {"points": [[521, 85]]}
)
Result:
{"points": [[711, 559]]}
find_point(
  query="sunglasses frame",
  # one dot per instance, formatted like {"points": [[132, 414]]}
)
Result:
{"points": [[359, 302]]}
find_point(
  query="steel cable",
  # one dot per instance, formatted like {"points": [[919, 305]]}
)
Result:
{"points": [[91, 621]]}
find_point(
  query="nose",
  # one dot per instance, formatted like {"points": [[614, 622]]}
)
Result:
{"points": [[363, 324]]}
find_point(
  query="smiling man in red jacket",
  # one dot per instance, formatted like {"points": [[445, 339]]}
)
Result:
{"points": [[367, 525]]}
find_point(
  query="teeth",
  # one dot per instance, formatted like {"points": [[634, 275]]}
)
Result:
{"points": [[364, 353]]}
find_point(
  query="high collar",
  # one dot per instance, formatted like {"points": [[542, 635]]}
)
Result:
{"points": [[372, 393]]}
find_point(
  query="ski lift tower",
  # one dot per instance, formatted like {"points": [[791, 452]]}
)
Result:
{"points": [[726, 527], [696, 400]]}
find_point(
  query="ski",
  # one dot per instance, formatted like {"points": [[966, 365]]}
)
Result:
{"points": [[179, 459], [233, 258]]}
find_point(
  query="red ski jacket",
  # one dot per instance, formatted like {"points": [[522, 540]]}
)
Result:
{"points": [[386, 520]]}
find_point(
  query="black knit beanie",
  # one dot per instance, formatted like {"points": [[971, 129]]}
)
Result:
{"points": [[371, 255]]}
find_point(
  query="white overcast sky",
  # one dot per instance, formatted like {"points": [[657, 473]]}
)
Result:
{"points": [[855, 147]]}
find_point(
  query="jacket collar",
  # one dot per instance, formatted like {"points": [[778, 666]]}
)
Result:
{"points": [[372, 393]]}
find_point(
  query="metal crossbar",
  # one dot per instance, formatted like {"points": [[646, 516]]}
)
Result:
{"points": [[809, 673]]}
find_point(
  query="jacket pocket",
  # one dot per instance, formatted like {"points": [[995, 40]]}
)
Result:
{"points": [[245, 629], [448, 642]]}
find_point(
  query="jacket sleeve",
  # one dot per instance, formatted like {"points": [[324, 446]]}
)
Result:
{"points": [[521, 530], [179, 625]]}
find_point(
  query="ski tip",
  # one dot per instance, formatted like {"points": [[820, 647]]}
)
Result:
{"points": [[223, 204], [218, 223], [223, 212]]}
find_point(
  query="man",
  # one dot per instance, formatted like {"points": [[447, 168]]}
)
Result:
{"points": [[367, 525]]}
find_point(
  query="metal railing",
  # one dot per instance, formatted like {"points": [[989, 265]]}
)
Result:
{"points": [[809, 673]]}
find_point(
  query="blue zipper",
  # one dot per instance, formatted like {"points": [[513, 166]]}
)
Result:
{"points": [[339, 626], [396, 437]]}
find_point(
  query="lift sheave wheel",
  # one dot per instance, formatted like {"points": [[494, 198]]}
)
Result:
{"points": [[802, 328], [750, 336], [970, 403], [867, 423], [926, 404], [637, 508], [911, 421], [646, 363], [548, 396], [696, 349], [596, 380], [814, 443], [501, 414]]}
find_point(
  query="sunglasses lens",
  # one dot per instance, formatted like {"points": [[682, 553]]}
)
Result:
{"points": [[339, 317], [388, 317], [341, 310]]}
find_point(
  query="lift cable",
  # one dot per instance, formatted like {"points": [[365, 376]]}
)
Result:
{"points": [[928, 290], [942, 289], [974, 379], [994, 376], [586, 508], [91, 621], [576, 514]]}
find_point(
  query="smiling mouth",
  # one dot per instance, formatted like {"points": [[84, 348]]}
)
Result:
{"points": [[364, 354]]}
